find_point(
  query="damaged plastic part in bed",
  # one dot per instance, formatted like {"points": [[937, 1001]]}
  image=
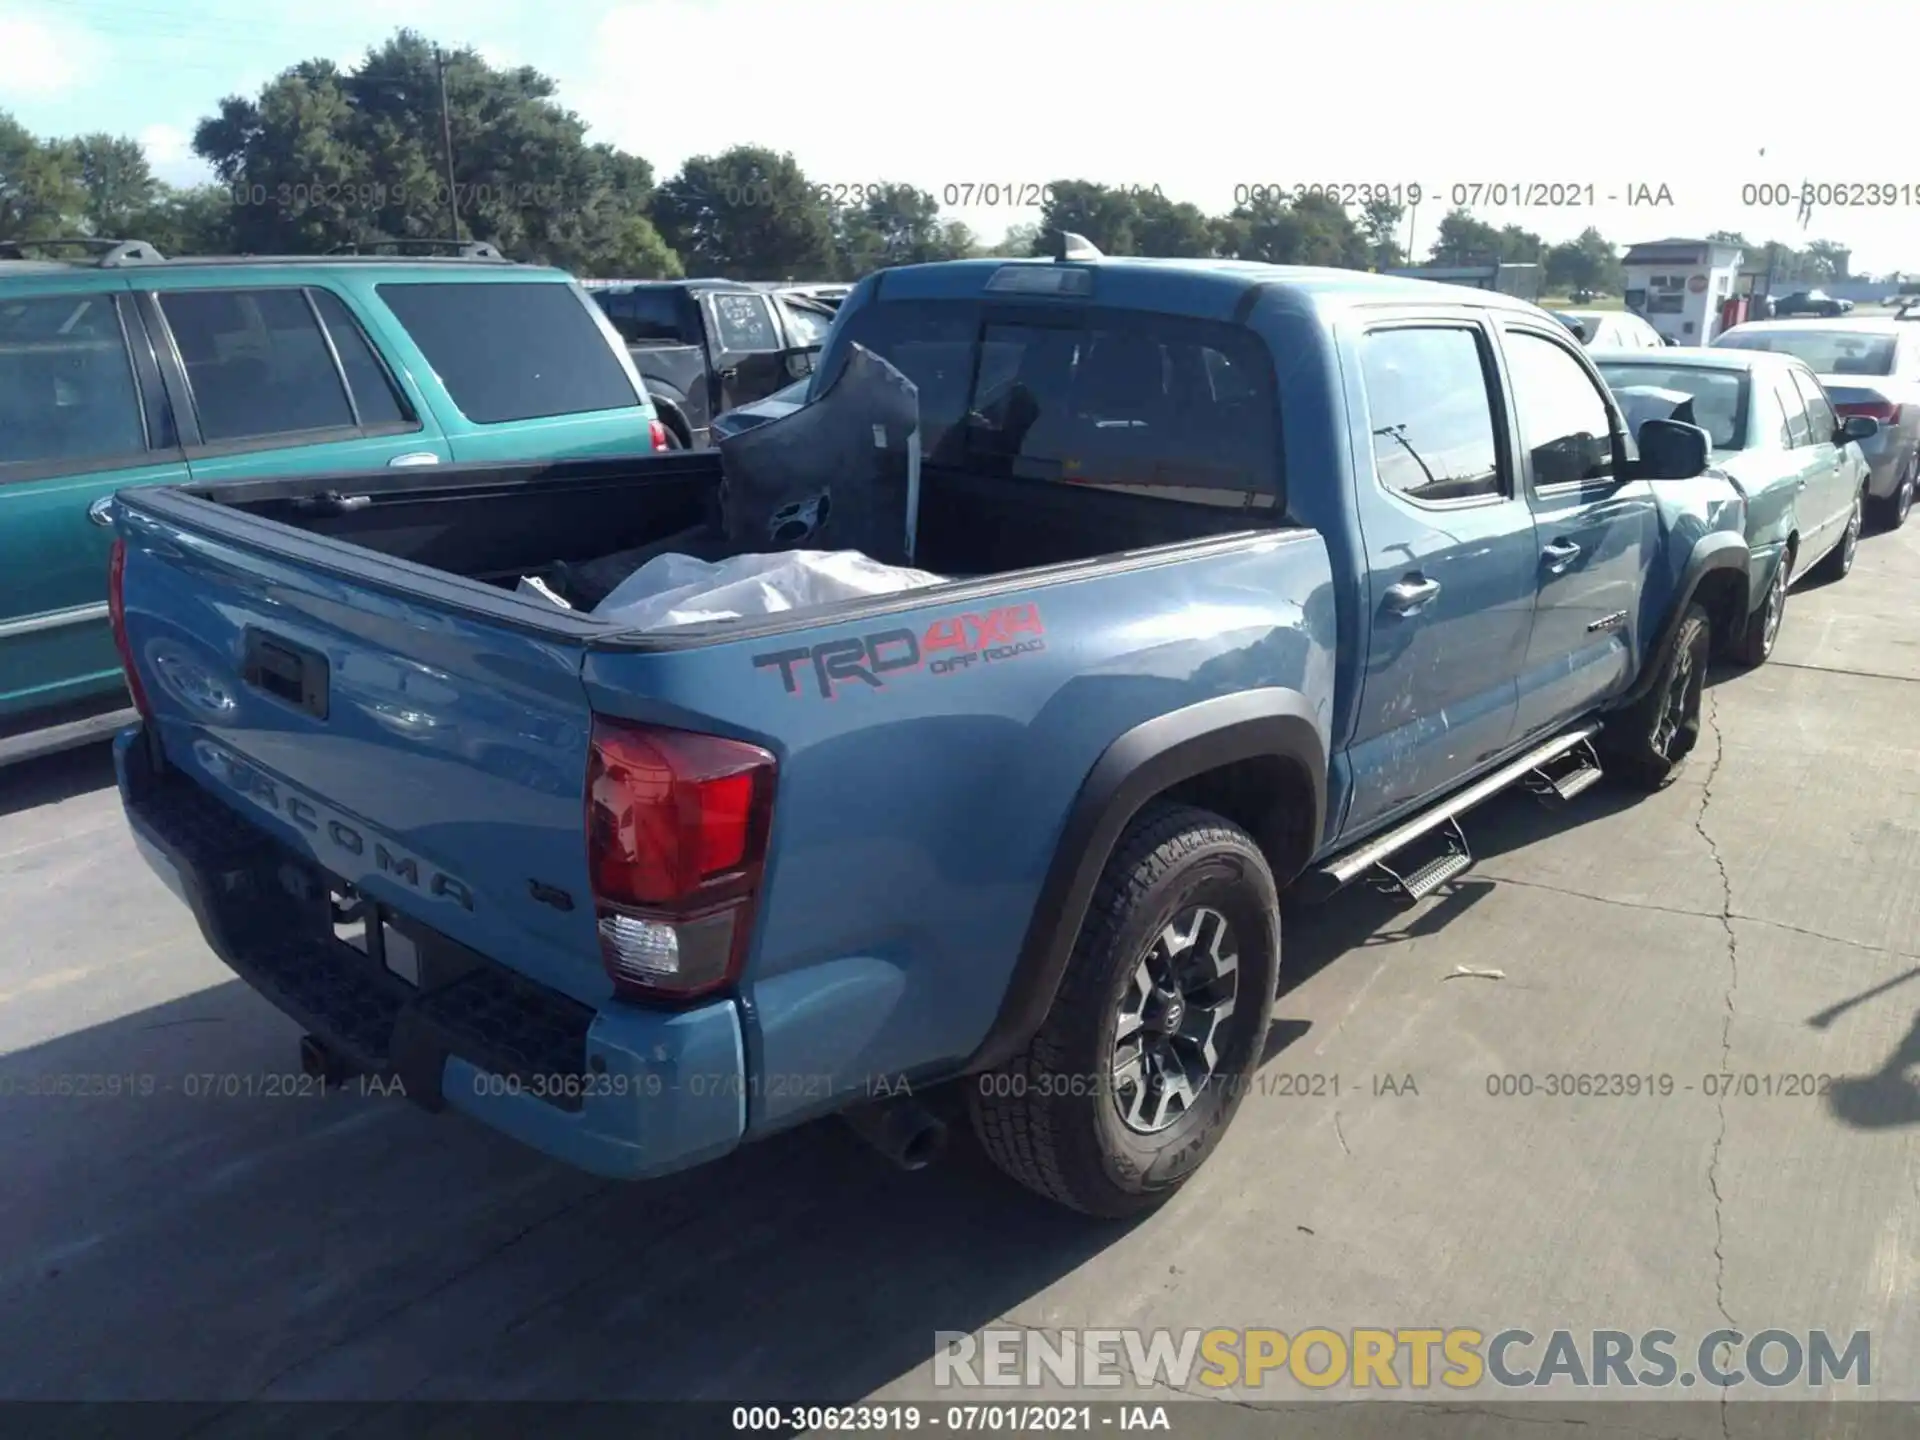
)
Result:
{"points": [[672, 590], [840, 473]]}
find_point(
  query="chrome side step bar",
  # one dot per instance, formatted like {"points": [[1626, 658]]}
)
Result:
{"points": [[1558, 781], [1432, 875], [1344, 869]]}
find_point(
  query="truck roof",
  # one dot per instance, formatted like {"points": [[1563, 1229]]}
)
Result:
{"points": [[1203, 288]]}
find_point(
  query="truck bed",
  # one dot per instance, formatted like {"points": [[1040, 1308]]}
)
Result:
{"points": [[495, 524]]}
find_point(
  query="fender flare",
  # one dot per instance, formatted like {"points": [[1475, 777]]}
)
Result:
{"points": [[1721, 550], [1142, 763]]}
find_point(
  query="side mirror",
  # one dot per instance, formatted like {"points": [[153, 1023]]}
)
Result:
{"points": [[1671, 450], [1857, 427]]}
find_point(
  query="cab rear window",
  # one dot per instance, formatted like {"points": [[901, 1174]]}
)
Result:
{"points": [[1125, 400], [513, 351]]}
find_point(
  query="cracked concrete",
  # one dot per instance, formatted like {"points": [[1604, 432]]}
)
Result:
{"points": [[1756, 920]]}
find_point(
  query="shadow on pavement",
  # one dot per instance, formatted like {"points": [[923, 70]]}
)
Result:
{"points": [[57, 777], [1888, 1097], [211, 1232]]}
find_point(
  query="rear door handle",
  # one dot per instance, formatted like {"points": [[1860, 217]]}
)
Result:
{"points": [[413, 457], [1411, 594], [1560, 554]]}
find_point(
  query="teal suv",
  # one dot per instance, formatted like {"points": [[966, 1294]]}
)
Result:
{"points": [[119, 368]]}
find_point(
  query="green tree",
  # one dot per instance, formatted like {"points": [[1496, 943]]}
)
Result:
{"points": [[1463, 240], [41, 194], [1520, 247], [1380, 227], [119, 183], [1172, 229], [324, 157], [1107, 217], [1587, 262], [1313, 230], [896, 225], [1020, 240], [748, 214]]}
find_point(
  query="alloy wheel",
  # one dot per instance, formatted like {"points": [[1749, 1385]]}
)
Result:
{"points": [[1776, 605], [1673, 714], [1851, 541], [1167, 1032]]}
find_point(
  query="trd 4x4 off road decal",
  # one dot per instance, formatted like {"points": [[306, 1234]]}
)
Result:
{"points": [[946, 647]]}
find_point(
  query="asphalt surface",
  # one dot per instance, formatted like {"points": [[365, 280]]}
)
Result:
{"points": [[1756, 918]]}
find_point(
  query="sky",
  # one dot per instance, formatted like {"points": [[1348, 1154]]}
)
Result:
{"points": [[1631, 98]]}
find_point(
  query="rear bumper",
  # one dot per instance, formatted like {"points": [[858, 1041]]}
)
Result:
{"points": [[619, 1091]]}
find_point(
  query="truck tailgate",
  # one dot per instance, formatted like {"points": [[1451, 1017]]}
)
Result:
{"points": [[430, 754]]}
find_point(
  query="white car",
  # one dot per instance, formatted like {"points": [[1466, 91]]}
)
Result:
{"points": [[1613, 330]]}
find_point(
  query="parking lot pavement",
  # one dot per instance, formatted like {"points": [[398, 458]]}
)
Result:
{"points": [[1756, 918]]}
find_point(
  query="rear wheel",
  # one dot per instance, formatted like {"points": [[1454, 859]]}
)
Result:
{"points": [[1763, 626], [1839, 562], [1891, 513], [1648, 742], [1160, 1018]]}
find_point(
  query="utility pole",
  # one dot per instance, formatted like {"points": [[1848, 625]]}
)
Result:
{"points": [[446, 135]]}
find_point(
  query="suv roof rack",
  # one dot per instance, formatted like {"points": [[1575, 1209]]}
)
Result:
{"points": [[101, 251], [459, 249]]}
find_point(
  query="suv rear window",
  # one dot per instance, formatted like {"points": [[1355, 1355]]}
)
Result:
{"points": [[66, 385], [509, 351], [1127, 400]]}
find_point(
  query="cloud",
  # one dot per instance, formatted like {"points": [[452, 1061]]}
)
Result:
{"points": [[38, 58]]}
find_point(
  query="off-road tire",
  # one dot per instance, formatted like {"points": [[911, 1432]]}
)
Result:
{"points": [[1049, 1117], [1763, 625], [1636, 745]]}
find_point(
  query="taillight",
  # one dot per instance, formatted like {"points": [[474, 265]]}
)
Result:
{"points": [[1885, 411], [117, 615], [657, 433], [676, 837]]}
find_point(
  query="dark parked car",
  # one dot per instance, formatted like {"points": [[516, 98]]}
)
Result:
{"points": [[704, 346], [1809, 302]]}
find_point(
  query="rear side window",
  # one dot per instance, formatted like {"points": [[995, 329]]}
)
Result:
{"points": [[256, 362], [1798, 431], [66, 384], [1821, 421], [741, 322], [643, 317], [1148, 404], [1564, 420], [509, 351], [1430, 413], [373, 392]]}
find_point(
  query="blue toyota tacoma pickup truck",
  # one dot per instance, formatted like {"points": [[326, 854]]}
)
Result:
{"points": [[1254, 577]]}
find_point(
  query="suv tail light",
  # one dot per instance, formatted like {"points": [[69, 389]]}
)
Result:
{"points": [[657, 435], [676, 837], [117, 615], [1885, 411]]}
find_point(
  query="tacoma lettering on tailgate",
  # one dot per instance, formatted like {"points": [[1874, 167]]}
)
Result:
{"points": [[326, 829], [946, 647]]}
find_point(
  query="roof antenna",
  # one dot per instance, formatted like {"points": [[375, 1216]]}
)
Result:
{"points": [[1069, 246]]}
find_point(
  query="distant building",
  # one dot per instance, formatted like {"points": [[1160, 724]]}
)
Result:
{"points": [[1678, 286], [1522, 281]]}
